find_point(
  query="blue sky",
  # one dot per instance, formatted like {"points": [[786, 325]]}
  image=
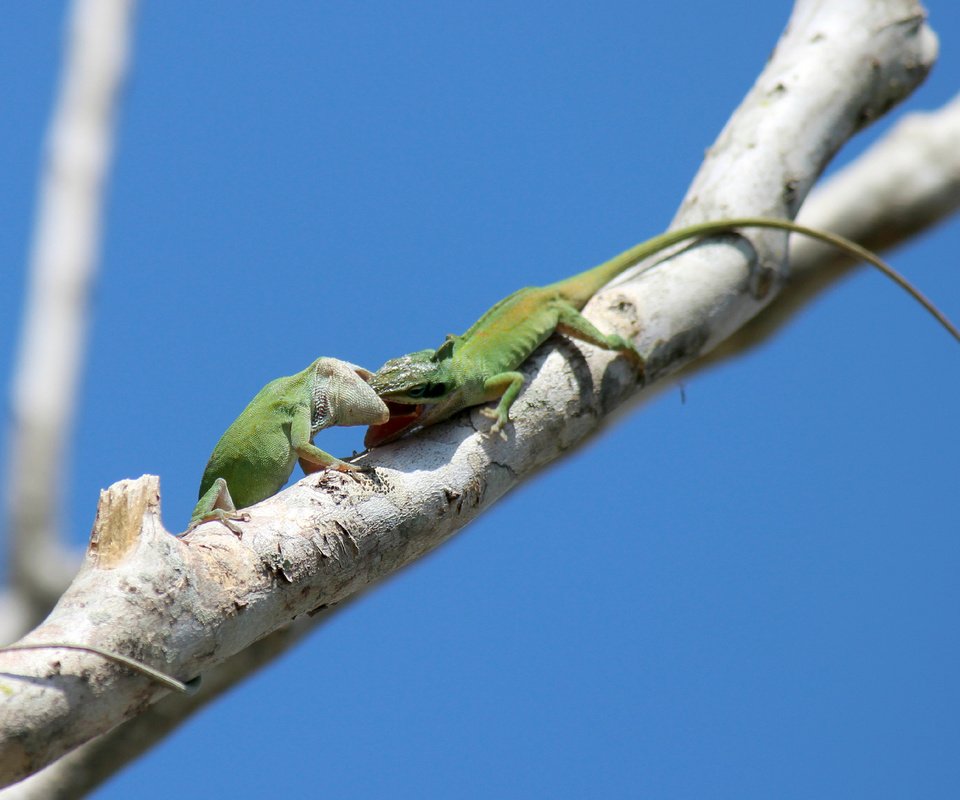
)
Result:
{"points": [[748, 594]]}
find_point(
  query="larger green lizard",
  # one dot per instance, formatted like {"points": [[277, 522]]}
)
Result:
{"points": [[481, 365], [256, 454]]}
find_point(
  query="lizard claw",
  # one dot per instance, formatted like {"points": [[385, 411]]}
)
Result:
{"points": [[499, 421], [224, 517], [227, 521]]}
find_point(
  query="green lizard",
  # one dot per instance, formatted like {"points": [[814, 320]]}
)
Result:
{"points": [[428, 386], [256, 454]]}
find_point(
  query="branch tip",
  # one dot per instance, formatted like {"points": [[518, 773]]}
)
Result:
{"points": [[121, 514]]}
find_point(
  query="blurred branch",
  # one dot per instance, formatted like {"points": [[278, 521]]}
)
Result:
{"points": [[207, 603], [62, 265], [85, 768]]}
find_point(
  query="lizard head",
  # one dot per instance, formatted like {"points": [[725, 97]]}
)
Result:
{"points": [[417, 389], [411, 379], [340, 395]]}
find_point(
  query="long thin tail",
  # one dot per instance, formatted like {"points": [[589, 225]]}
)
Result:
{"points": [[137, 666], [581, 287]]}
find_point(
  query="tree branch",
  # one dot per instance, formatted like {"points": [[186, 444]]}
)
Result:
{"points": [[186, 605]]}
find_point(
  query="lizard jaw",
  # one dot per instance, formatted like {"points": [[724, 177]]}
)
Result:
{"points": [[403, 417]]}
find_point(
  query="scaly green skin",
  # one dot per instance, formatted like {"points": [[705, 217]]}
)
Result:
{"points": [[255, 456], [480, 366]]}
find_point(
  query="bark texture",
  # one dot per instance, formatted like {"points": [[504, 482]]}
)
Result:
{"points": [[188, 605]]}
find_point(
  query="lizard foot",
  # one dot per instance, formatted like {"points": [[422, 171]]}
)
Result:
{"points": [[638, 361], [343, 466], [499, 421], [226, 518]]}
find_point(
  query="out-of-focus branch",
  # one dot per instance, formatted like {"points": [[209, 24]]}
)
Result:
{"points": [[904, 184], [82, 770], [62, 265]]}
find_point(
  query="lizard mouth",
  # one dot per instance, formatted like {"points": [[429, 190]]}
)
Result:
{"points": [[402, 418]]}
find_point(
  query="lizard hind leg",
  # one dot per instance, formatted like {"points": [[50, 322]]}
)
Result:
{"points": [[573, 324], [217, 504]]}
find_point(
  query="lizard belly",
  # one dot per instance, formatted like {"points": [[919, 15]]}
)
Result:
{"points": [[255, 469]]}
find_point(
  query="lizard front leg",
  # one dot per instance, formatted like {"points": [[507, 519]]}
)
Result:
{"points": [[313, 459], [505, 386]]}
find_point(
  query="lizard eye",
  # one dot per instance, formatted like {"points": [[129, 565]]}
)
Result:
{"points": [[428, 390]]}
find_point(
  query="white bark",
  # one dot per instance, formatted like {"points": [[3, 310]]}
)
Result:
{"points": [[920, 179], [905, 183], [62, 265], [187, 605]]}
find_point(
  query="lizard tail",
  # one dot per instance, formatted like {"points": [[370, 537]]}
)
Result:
{"points": [[580, 288]]}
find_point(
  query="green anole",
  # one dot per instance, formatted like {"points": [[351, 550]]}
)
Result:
{"points": [[255, 457], [256, 454], [481, 365]]}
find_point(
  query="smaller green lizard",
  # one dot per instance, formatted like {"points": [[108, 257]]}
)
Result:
{"points": [[256, 454], [428, 386]]}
